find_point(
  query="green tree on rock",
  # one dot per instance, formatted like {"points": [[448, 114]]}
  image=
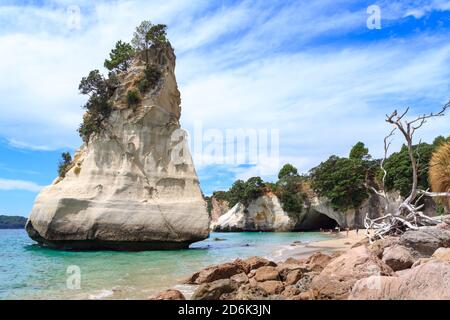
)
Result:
{"points": [[342, 181], [287, 170], [64, 164], [120, 57], [147, 35]]}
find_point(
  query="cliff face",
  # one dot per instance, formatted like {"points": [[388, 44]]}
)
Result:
{"points": [[134, 185], [267, 214]]}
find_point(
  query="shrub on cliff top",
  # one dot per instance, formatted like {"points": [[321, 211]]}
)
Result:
{"points": [[287, 170], [120, 57], [342, 181], [148, 35]]}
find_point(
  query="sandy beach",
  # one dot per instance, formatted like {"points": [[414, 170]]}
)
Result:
{"points": [[341, 241]]}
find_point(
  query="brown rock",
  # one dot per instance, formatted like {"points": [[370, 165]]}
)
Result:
{"points": [[243, 265], [398, 257], [303, 296], [258, 262], [240, 278], [272, 286], [213, 290], [318, 261], [266, 273], [248, 292], [378, 247], [428, 281], [338, 277], [213, 273], [293, 277], [291, 260], [305, 281], [285, 268], [291, 291], [442, 254], [170, 294]]}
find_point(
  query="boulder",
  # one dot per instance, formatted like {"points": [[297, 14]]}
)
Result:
{"points": [[216, 272], [285, 268], [240, 278], [338, 277], [214, 290], [398, 257], [290, 291], [428, 281], [442, 254], [318, 261], [304, 282], [272, 286], [426, 241], [170, 294], [249, 292], [258, 262], [128, 187], [266, 273], [293, 277]]}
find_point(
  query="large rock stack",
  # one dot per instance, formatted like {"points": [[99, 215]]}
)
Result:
{"points": [[133, 186]]}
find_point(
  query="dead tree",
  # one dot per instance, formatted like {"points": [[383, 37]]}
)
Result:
{"points": [[408, 215]]}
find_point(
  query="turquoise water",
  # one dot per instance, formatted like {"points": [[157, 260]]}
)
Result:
{"points": [[31, 272]]}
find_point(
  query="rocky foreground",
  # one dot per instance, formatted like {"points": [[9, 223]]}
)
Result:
{"points": [[413, 266]]}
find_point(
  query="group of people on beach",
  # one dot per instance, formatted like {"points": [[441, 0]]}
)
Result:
{"points": [[337, 229]]}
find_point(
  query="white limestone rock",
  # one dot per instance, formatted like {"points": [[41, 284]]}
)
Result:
{"points": [[132, 187]]}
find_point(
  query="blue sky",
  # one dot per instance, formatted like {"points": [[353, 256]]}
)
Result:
{"points": [[310, 69]]}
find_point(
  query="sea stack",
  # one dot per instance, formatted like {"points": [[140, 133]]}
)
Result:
{"points": [[132, 185]]}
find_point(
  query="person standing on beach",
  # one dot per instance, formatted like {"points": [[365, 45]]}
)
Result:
{"points": [[347, 229], [357, 229]]}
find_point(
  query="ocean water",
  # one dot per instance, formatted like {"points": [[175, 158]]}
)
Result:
{"points": [[28, 271]]}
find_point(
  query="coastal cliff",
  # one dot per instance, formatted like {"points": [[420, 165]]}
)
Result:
{"points": [[266, 214], [131, 185]]}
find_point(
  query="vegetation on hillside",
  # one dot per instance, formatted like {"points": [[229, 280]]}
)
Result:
{"points": [[346, 182], [12, 222]]}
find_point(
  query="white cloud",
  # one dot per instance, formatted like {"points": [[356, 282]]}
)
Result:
{"points": [[6, 184], [247, 65], [26, 146]]}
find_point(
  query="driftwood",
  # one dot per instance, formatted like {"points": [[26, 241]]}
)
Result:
{"points": [[407, 216]]}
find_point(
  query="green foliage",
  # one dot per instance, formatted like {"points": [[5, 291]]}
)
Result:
{"points": [[147, 35], [289, 191], [120, 57], [287, 170], [12, 222], [359, 151], [399, 169], [99, 91], [133, 98], [64, 164], [342, 181], [440, 140], [157, 34], [90, 125], [245, 192], [150, 79]]}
